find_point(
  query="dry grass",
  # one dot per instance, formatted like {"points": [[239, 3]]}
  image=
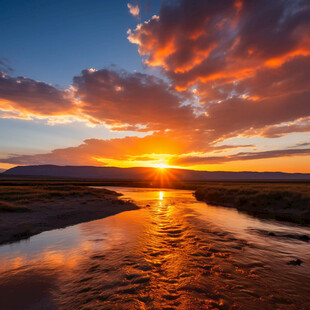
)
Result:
{"points": [[14, 198], [9, 207], [52, 206], [281, 201]]}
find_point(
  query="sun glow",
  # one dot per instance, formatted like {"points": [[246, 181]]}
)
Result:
{"points": [[161, 166]]}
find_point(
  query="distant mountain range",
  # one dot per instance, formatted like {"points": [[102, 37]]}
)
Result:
{"points": [[138, 173]]}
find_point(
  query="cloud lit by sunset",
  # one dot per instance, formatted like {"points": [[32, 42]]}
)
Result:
{"points": [[205, 85], [154, 154]]}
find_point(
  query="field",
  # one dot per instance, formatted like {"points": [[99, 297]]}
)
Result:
{"points": [[33, 207], [18, 198], [281, 201]]}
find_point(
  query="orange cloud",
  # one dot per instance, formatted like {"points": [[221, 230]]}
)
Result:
{"points": [[155, 150], [151, 148], [132, 101], [30, 97], [242, 156], [231, 69], [206, 40], [279, 61]]}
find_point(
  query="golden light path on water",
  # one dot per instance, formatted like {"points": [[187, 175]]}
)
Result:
{"points": [[173, 253]]}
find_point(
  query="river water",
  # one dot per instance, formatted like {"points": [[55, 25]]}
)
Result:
{"points": [[173, 253]]}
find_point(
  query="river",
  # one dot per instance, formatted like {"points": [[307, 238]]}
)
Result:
{"points": [[173, 253]]}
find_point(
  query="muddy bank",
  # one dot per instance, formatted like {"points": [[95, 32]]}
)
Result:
{"points": [[267, 201], [27, 211]]}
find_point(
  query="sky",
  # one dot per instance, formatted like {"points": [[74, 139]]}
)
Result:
{"points": [[204, 85]]}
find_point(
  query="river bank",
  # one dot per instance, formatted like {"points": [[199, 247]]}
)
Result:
{"points": [[176, 253], [276, 201], [28, 210]]}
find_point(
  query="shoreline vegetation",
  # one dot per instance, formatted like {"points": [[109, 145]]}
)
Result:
{"points": [[279, 201], [28, 210], [30, 205]]}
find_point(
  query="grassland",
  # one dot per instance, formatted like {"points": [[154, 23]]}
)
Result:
{"points": [[280, 201], [15, 198], [26, 210]]}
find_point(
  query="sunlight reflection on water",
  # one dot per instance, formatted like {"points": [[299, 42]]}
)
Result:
{"points": [[176, 253]]}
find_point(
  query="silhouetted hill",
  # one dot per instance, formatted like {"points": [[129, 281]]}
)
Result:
{"points": [[138, 173]]}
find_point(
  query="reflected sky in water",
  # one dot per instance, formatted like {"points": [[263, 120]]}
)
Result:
{"points": [[173, 253]]}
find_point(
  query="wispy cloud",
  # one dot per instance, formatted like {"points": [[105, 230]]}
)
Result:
{"points": [[205, 160], [5, 66]]}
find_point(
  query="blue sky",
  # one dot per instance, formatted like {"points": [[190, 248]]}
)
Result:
{"points": [[52, 41], [203, 84]]}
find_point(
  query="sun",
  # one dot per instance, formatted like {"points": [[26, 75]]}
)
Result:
{"points": [[161, 166]]}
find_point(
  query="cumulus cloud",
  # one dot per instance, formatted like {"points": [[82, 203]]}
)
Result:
{"points": [[118, 99], [209, 40], [132, 101], [134, 10], [248, 60], [231, 68], [23, 97]]}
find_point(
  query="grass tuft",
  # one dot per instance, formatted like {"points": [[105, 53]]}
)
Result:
{"points": [[14, 198], [9, 207], [276, 200]]}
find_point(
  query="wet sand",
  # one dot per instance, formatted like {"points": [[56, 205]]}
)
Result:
{"points": [[59, 213]]}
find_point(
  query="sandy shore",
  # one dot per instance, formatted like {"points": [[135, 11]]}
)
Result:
{"points": [[59, 213]]}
